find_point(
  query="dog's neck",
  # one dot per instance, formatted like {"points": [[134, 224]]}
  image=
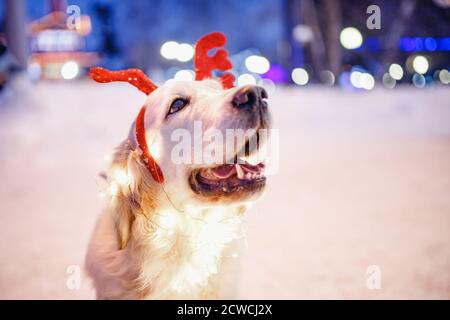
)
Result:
{"points": [[179, 251], [187, 248]]}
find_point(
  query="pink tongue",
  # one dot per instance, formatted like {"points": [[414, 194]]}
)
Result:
{"points": [[225, 171]]}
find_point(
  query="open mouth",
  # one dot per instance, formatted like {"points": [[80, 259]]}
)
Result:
{"points": [[236, 177]]}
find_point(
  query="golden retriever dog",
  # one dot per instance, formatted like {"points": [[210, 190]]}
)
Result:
{"points": [[165, 240]]}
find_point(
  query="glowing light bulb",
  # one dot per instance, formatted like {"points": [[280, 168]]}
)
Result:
{"points": [[245, 79], [169, 50], [355, 79], [362, 80], [328, 77], [396, 71], [367, 81], [420, 64], [351, 38], [185, 52], [184, 75], [300, 76], [419, 80], [257, 64], [444, 76], [70, 70], [388, 81]]}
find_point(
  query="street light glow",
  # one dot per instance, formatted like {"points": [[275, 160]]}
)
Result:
{"points": [[169, 50], [388, 81], [70, 70], [367, 81], [184, 75], [355, 79], [362, 80], [396, 71], [245, 79], [300, 76], [351, 38], [420, 64], [444, 76], [257, 64], [185, 52], [418, 80]]}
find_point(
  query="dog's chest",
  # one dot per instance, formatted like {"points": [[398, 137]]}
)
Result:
{"points": [[188, 248]]}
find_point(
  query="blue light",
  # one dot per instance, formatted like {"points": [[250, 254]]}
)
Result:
{"points": [[444, 44], [418, 44], [430, 44], [409, 44]]}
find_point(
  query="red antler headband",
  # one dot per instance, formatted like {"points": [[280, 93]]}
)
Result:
{"points": [[138, 79], [204, 65]]}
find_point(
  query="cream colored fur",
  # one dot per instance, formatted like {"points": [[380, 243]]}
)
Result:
{"points": [[163, 241]]}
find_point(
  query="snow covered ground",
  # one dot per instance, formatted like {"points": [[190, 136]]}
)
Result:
{"points": [[364, 180]]}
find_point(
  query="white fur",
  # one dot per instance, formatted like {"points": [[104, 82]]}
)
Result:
{"points": [[164, 241]]}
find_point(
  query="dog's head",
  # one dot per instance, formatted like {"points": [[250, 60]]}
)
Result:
{"points": [[196, 138], [206, 140]]}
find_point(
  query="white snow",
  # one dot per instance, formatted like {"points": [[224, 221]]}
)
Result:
{"points": [[364, 180]]}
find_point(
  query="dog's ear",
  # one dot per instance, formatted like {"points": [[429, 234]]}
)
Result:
{"points": [[124, 215], [123, 225], [136, 197]]}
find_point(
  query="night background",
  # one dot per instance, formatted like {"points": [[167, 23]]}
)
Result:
{"points": [[363, 114], [290, 34]]}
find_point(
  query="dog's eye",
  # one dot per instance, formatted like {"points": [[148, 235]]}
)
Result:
{"points": [[177, 105]]}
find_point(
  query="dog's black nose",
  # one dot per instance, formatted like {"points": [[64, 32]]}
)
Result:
{"points": [[249, 97]]}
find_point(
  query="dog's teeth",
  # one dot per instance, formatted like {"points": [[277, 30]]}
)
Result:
{"points": [[256, 157], [239, 171]]}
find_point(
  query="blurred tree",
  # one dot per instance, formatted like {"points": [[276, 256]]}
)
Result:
{"points": [[15, 31], [316, 46], [104, 14], [292, 51], [333, 13]]}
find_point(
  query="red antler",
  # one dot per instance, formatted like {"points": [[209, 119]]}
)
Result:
{"points": [[205, 64], [138, 79], [148, 160], [133, 76]]}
